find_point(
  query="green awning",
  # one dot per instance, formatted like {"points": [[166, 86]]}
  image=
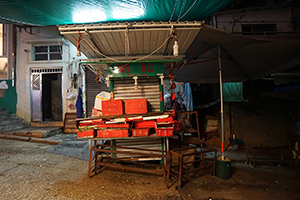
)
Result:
{"points": [[60, 12]]}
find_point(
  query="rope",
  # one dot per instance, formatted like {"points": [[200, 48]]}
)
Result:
{"points": [[99, 51], [125, 61], [180, 10], [173, 10], [187, 11]]}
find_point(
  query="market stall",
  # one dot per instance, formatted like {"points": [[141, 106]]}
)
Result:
{"points": [[132, 126], [133, 118]]}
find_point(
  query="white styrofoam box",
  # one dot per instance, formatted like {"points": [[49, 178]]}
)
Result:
{"points": [[102, 96]]}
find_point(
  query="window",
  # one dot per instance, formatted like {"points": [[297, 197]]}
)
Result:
{"points": [[259, 29], [2, 40], [3, 52], [51, 52]]}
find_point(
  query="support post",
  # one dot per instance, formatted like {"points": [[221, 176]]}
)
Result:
{"points": [[221, 96]]}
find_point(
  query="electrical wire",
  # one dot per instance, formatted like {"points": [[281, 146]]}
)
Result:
{"points": [[187, 11]]}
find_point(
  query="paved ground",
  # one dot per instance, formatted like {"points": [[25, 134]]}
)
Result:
{"points": [[41, 171]]}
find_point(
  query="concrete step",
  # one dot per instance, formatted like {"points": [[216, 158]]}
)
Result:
{"points": [[28, 139], [12, 121], [70, 130], [35, 132], [47, 124], [10, 116], [11, 127], [4, 113]]}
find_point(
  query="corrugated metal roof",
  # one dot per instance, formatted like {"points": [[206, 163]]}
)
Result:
{"points": [[136, 39]]}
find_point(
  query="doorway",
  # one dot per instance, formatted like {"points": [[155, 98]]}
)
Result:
{"points": [[46, 95]]}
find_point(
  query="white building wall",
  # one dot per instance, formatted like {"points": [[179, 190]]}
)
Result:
{"points": [[25, 42], [232, 20]]}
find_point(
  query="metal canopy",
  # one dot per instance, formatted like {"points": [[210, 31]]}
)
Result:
{"points": [[133, 40]]}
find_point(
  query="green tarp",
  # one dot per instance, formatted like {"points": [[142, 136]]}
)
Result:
{"points": [[233, 92], [60, 12]]}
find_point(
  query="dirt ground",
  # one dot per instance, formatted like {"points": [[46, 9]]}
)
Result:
{"points": [[28, 171]]}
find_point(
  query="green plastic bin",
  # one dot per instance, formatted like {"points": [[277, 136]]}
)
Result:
{"points": [[223, 168]]}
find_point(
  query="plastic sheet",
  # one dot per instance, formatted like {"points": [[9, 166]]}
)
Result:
{"points": [[188, 97]]}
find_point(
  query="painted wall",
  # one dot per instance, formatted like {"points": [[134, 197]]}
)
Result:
{"points": [[25, 42], [232, 21], [9, 101]]}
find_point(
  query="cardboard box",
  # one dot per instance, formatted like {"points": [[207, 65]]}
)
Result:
{"points": [[136, 106], [112, 107]]}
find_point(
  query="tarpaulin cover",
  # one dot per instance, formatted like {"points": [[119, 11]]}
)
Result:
{"points": [[242, 58], [59, 12]]}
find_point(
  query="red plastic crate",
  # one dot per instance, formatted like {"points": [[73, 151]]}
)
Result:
{"points": [[86, 133], [164, 131], [113, 125], [136, 106], [112, 107], [91, 122], [172, 112], [112, 133], [168, 119], [139, 132], [144, 124]]}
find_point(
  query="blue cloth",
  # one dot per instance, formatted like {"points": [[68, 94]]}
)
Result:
{"points": [[79, 107]]}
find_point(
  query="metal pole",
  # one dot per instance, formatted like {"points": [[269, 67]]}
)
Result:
{"points": [[221, 96]]}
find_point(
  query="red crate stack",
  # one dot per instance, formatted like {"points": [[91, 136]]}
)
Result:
{"points": [[111, 133], [113, 125], [144, 124], [164, 131], [140, 132], [86, 133], [112, 107], [136, 106]]}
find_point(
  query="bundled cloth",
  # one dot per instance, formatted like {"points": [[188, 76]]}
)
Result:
{"points": [[3, 85]]}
